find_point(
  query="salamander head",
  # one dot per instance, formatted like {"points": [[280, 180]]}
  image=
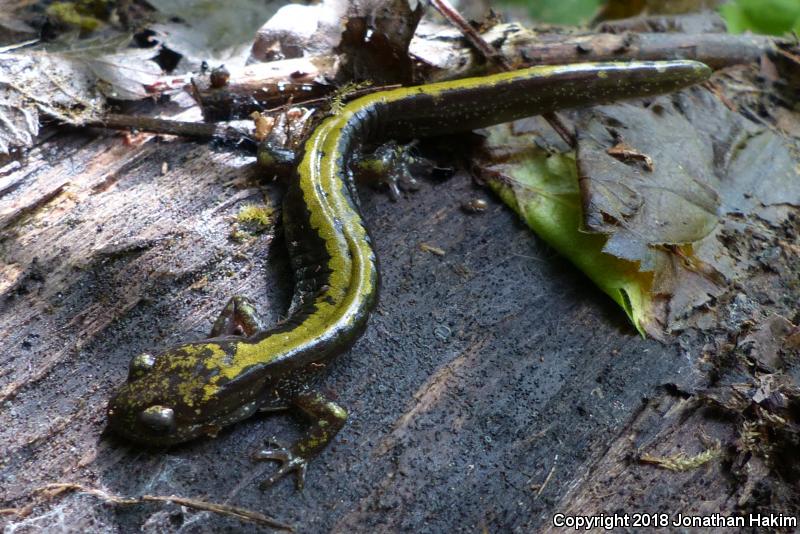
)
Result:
{"points": [[177, 396]]}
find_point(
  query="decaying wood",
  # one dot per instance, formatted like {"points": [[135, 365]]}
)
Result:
{"points": [[264, 86], [664, 427], [462, 391], [717, 50], [493, 388]]}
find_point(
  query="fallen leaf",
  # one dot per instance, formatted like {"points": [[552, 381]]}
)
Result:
{"points": [[626, 153], [69, 84], [678, 192], [765, 343], [543, 189]]}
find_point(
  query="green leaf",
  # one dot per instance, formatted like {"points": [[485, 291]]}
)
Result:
{"points": [[670, 192], [543, 190], [559, 11], [772, 17]]}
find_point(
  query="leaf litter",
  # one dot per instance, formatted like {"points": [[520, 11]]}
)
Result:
{"points": [[666, 189], [69, 83]]}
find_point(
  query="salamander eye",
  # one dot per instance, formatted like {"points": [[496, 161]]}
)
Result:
{"points": [[140, 365], [159, 419]]}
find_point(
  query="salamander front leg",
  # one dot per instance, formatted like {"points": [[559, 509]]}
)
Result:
{"points": [[328, 418], [238, 318], [391, 164]]}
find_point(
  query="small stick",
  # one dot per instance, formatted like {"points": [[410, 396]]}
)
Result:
{"points": [[547, 479], [497, 59], [154, 125], [486, 50], [244, 514]]}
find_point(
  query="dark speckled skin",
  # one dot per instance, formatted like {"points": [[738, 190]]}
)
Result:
{"points": [[198, 388]]}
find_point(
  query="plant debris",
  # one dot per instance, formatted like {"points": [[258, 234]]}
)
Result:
{"points": [[70, 84], [664, 187]]}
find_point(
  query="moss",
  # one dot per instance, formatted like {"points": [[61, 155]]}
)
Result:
{"points": [[88, 15], [238, 235], [252, 214], [680, 462]]}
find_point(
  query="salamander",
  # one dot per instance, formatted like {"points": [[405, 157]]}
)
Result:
{"points": [[195, 389]]}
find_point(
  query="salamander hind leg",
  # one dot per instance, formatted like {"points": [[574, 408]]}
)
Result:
{"points": [[238, 318], [328, 418]]}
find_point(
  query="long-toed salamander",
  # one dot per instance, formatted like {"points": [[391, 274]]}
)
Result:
{"points": [[195, 389]]}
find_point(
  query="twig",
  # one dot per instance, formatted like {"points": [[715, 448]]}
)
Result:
{"points": [[56, 489], [548, 477], [496, 58], [561, 129], [154, 125], [486, 50]]}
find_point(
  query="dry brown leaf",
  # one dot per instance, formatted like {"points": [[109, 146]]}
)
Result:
{"points": [[69, 85]]}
